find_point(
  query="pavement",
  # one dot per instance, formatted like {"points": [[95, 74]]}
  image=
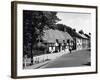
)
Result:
{"points": [[76, 58], [38, 65]]}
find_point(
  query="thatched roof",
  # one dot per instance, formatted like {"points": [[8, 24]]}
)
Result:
{"points": [[51, 35]]}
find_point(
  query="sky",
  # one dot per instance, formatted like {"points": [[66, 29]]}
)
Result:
{"points": [[79, 21]]}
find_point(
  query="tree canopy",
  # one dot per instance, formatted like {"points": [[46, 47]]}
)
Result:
{"points": [[81, 32], [34, 23], [68, 29]]}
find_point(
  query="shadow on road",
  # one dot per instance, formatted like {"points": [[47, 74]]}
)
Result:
{"points": [[88, 64]]}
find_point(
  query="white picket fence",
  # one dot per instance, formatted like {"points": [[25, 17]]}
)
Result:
{"points": [[44, 57]]}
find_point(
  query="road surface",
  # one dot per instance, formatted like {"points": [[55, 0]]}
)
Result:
{"points": [[76, 58]]}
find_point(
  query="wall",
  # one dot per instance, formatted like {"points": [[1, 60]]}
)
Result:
{"points": [[5, 41]]}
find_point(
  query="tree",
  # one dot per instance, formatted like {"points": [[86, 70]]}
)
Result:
{"points": [[90, 34], [63, 27], [74, 30], [81, 32], [34, 23]]}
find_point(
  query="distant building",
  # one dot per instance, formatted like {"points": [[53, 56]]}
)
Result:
{"points": [[84, 41], [50, 37], [88, 40]]}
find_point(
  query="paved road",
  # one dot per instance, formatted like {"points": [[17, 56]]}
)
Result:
{"points": [[77, 58]]}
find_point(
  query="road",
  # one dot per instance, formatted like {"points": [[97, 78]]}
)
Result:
{"points": [[76, 58]]}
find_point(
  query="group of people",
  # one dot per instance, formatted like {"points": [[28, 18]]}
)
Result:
{"points": [[58, 47]]}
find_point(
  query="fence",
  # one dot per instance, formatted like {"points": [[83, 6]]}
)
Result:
{"points": [[43, 58]]}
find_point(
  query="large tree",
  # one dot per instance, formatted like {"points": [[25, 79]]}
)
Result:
{"points": [[34, 24]]}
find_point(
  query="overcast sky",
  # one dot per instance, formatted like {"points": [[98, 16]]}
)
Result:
{"points": [[79, 21]]}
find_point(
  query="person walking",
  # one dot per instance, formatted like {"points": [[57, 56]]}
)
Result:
{"points": [[70, 47]]}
